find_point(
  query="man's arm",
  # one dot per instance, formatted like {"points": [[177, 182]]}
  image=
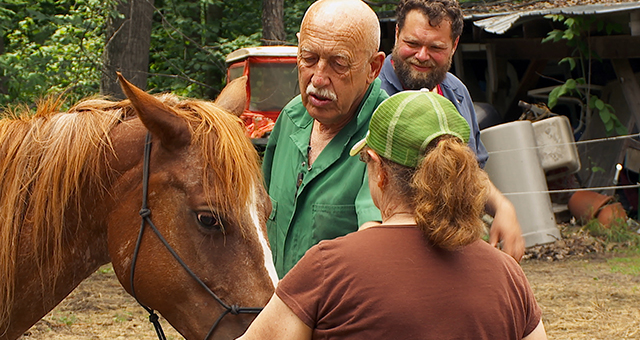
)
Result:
{"points": [[505, 226], [277, 321]]}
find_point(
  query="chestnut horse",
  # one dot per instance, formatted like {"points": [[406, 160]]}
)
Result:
{"points": [[71, 193]]}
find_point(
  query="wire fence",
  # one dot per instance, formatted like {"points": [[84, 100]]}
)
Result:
{"points": [[589, 141], [583, 142]]}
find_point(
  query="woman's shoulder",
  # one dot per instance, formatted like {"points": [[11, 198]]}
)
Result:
{"points": [[370, 246], [493, 258], [371, 238]]}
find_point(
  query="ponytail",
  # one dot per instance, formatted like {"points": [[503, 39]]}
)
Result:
{"points": [[450, 193]]}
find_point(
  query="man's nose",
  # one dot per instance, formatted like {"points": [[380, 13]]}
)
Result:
{"points": [[422, 54], [320, 76]]}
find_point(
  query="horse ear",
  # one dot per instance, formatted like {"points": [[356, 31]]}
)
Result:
{"points": [[160, 119], [233, 97]]}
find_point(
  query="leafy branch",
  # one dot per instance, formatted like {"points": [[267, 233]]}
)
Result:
{"points": [[578, 35]]}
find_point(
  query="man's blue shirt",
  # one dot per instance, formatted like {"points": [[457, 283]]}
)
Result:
{"points": [[452, 89]]}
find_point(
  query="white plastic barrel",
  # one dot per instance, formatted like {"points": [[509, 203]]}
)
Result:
{"points": [[514, 168], [556, 147]]}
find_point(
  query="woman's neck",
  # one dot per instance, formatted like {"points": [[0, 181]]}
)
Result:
{"points": [[399, 218]]}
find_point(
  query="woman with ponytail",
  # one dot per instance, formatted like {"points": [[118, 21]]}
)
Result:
{"points": [[425, 272]]}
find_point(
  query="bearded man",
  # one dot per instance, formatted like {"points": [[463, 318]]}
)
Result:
{"points": [[427, 35]]}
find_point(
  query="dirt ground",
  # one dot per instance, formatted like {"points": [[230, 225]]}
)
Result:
{"points": [[582, 297], [99, 308]]}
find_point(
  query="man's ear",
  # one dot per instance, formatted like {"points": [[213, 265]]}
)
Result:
{"points": [[375, 64], [455, 45]]}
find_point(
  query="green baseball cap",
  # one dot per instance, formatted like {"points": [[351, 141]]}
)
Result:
{"points": [[404, 124]]}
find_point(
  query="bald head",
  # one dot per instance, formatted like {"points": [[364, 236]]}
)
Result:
{"points": [[338, 59], [348, 19]]}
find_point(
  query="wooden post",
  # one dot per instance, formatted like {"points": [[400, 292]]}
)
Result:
{"points": [[630, 87]]}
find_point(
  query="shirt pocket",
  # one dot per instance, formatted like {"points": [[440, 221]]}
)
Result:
{"points": [[272, 230], [331, 221], [274, 209]]}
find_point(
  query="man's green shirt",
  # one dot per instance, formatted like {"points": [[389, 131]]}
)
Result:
{"points": [[329, 199]]}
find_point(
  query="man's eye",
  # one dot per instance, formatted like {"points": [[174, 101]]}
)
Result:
{"points": [[309, 60], [340, 67]]}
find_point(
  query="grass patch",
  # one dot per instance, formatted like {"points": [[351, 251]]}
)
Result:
{"points": [[122, 317], [68, 319], [625, 265], [618, 232], [106, 269]]}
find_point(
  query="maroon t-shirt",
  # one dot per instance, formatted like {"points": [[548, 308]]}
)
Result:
{"points": [[388, 283]]}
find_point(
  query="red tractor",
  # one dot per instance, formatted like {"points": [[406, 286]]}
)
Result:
{"points": [[273, 82]]}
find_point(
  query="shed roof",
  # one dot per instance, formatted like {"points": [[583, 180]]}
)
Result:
{"points": [[500, 16], [501, 22]]}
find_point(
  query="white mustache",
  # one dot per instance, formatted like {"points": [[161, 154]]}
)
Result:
{"points": [[321, 92]]}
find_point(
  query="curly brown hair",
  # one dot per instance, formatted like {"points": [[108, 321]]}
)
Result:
{"points": [[436, 11], [447, 191], [450, 193]]}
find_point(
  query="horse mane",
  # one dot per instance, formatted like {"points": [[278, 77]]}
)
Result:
{"points": [[231, 164], [48, 157]]}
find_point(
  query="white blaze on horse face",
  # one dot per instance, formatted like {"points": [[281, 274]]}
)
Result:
{"points": [[268, 258]]}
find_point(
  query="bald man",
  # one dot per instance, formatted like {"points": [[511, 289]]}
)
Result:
{"points": [[319, 192]]}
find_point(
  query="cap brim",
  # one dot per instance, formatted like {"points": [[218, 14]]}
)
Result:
{"points": [[358, 147]]}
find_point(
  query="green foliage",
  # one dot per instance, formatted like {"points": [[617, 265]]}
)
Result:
{"points": [[607, 115], [593, 166], [617, 232], [50, 47], [67, 319], [190, 40], [577, 34], [55, 46], [106, 269], [293, 13]]}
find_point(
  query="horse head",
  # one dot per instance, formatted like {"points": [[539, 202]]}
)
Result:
{"points": [[205, 198]]}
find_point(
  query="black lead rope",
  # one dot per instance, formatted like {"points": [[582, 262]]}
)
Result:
{"points": [[145, 213]]}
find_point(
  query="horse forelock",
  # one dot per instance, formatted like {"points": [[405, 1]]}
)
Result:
{"points": [[231, 168], [46, 159]]}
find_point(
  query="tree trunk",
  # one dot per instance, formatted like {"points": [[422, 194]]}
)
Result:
{"points": [[127, 46], [273, 22], [3, 90]]}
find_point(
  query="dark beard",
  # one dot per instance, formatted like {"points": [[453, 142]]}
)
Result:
{"points": [[413, 80]]}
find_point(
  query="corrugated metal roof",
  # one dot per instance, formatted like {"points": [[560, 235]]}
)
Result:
{"points": [[499, 23]]}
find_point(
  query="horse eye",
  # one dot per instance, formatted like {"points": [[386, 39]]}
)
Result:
{"points": [[209, 221]]}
